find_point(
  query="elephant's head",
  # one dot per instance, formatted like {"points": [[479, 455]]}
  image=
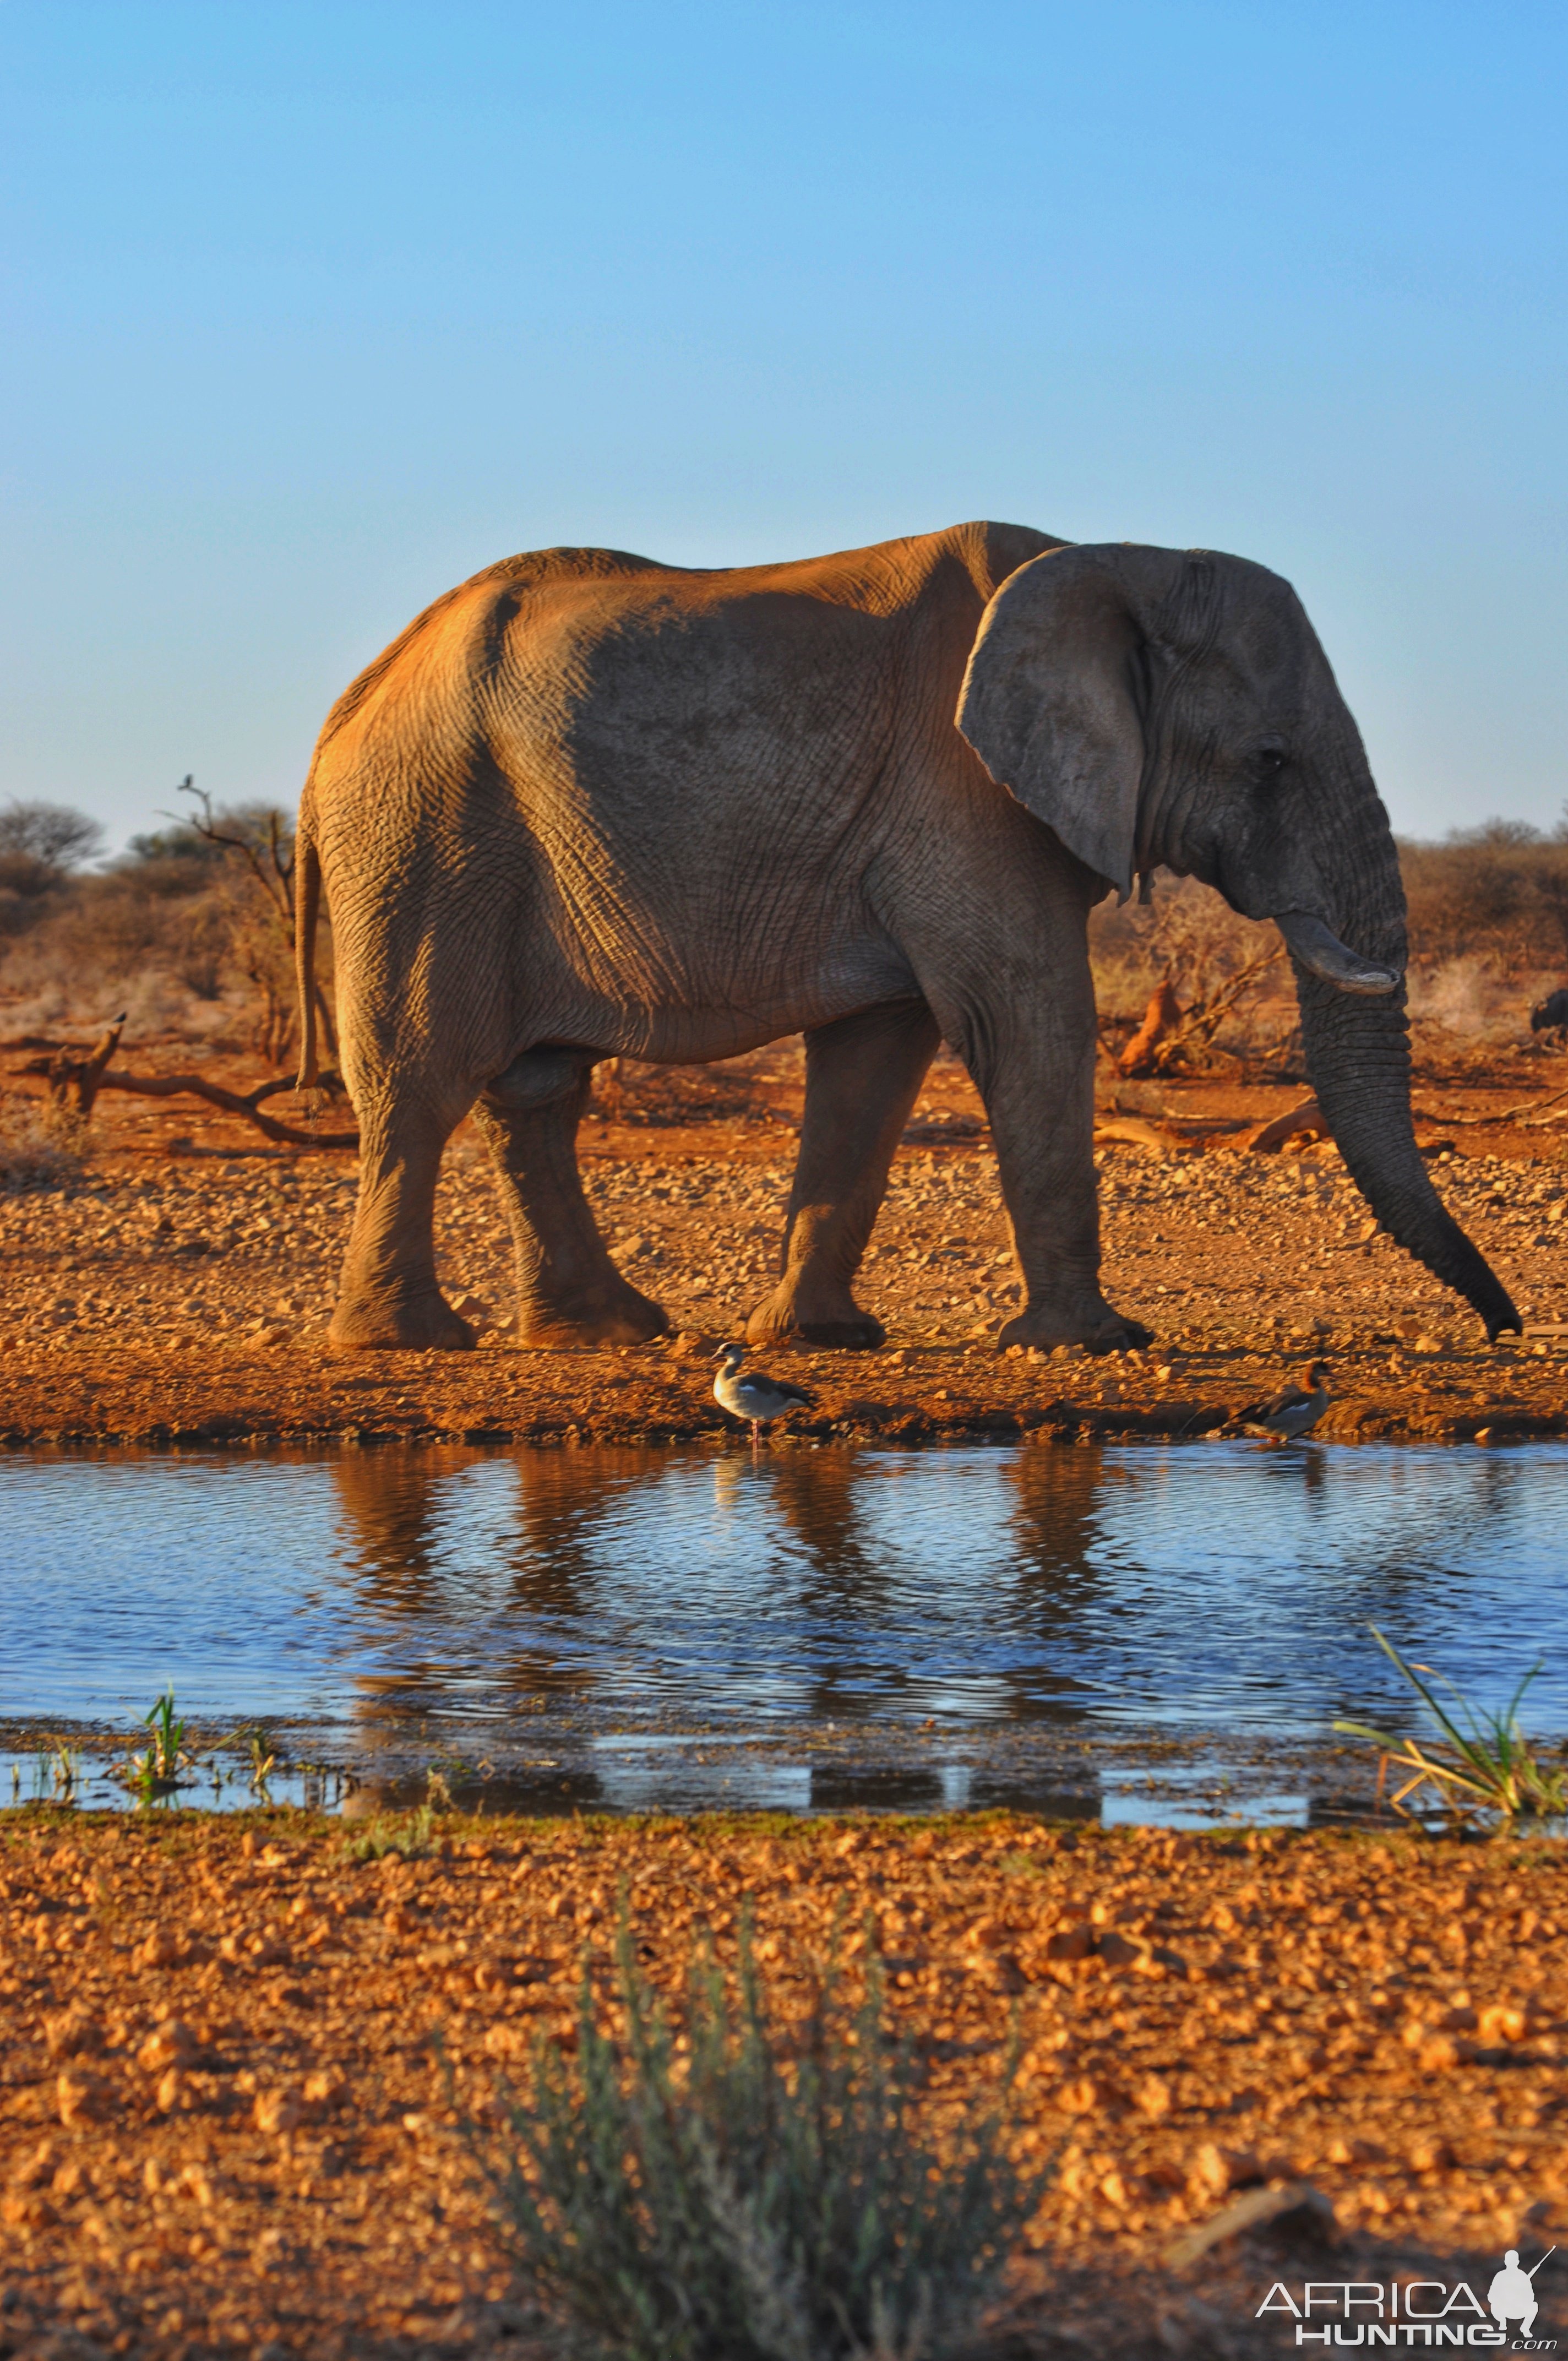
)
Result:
{"points": [[1172, 708]]}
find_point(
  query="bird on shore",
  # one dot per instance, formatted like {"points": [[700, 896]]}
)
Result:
{"points": [[1296, 1410], [757, 1397]]}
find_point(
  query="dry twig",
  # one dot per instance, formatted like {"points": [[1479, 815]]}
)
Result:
{"points": [[1507, 1115]]}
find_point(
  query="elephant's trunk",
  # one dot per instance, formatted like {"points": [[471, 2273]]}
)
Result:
{"points": [[1358, 1053]]}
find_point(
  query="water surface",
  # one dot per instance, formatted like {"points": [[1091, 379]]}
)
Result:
{"points": [[498, 1600]]}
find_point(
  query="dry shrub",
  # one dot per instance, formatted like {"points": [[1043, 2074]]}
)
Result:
{"points": [[744, 2194], [1189, 933], [1466, 1000], [258, 955], [41, 1145], [1488, 936], [105, 946]]}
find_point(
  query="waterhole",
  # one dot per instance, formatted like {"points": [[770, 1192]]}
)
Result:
{"points": [[1141, 1632]]}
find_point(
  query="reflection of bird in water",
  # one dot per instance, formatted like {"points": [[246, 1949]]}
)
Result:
{"points": [[1296, 1411], [757, 1397]]}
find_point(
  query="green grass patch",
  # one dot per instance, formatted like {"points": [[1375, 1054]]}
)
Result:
{"points": [[1477, 1763]]}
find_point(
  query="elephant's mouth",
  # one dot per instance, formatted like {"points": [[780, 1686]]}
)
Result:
{"points": [[1320, 949]]}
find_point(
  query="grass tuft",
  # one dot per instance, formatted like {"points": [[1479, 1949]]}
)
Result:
{"points": [[265, 1752], [158, 1770], [410, 1835], [1487, 1764], [749, 2192]]}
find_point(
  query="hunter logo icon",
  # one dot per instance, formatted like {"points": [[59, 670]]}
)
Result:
{"points": [[1511, 2297]]}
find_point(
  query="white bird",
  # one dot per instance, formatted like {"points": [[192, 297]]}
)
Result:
{"points": [[757, 1397], [1296, 1410]]}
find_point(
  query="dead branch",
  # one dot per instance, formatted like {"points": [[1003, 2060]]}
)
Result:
{"points": [[75, 1078], [1204, 1018], [1133, 1128], [245, 1104], [1161, 1018], [169, 1086], [1509, 1114], [274, 874]]}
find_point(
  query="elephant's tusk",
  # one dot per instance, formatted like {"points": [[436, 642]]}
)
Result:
{"points": [[1319, 948]]}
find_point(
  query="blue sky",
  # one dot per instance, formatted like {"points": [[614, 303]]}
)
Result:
{"points": [[311, 310]]}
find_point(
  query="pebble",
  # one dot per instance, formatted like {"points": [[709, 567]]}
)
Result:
{"points": [[83, 2098], [277, 2111]]}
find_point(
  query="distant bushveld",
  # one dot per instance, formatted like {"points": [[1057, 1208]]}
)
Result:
{"points": [[191, 930]]}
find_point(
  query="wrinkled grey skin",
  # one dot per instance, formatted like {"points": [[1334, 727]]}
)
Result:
{"points": [[589, 807]]}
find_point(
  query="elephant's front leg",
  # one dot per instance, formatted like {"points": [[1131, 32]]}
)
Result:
{"points": [[862, 1076], [1042, 1120], [389, 1298], [568, 1290]]}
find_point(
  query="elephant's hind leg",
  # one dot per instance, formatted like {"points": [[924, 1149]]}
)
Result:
{"points": [[863, 1077], [568, 1290], [388, 1299]]}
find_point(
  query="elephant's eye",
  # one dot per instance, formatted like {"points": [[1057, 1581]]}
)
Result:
{"points": [[1269, 761]]}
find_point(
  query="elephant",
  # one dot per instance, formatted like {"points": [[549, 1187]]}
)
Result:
{"points": [[588, 805]]}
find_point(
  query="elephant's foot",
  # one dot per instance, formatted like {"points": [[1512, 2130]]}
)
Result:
{"points": [[1095, 1326], [410, 1324], [831, 1320], [611, 1314]]}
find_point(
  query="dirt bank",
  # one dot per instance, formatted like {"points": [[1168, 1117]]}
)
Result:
{"points": [[224, 2126], [178, 1286]]}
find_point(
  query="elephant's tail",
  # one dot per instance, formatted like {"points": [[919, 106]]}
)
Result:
{"points": [[307, 911]]}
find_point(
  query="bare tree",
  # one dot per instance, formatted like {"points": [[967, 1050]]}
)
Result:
{"points": [[265, 844]]}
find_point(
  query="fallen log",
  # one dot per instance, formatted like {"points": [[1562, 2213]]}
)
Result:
{"points": [[76, 1081], [248, 1106], [1270, 1137]]}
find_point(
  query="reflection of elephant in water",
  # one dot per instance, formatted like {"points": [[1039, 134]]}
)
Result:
{"points": [[588, 805], [442, 1599]]}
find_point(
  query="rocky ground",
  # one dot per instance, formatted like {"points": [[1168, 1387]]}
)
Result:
{"points": [[225, 2127], [175, 1284]]}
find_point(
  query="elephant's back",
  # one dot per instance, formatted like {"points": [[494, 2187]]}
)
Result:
{"points": [[447, 627], [523, 635], [468, 626]]}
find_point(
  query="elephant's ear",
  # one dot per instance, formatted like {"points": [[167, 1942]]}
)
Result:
{"points": [[1048, 702]]}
